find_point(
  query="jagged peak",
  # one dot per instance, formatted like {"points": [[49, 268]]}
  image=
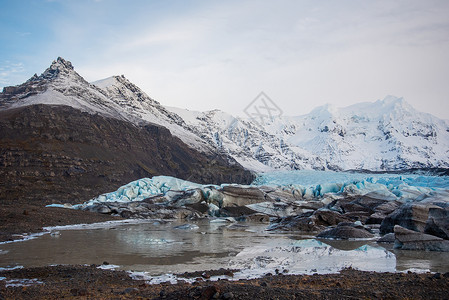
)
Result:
{"points": [[57, 67], [62, 63]]}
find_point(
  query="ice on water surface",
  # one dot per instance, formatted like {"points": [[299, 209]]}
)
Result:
{"points": [[312, 256]]}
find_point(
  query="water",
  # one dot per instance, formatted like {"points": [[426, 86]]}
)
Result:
{"points": [[158, 249]]}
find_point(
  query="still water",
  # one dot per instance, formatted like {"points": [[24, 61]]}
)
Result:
{"points": [[159, 248]]}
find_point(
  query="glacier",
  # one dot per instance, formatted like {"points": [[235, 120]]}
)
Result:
{"points": [[406, 187]]}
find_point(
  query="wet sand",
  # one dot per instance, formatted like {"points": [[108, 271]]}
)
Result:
{"points": [[89, 282]]}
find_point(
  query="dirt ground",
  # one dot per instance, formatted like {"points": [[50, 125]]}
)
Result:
{"points": [[89, 282], [18, 218]]}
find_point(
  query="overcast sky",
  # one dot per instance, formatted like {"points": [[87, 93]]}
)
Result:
{"points": [[204, 55]]}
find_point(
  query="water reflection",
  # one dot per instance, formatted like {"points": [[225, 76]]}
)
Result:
{"points": [[159, 248]]}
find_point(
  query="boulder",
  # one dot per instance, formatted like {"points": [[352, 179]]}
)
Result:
{"points": [[412, 216], [389, 238], [382, 211], [438, 222], [345, 231], [295, 223], [407, 239], [235, 211], [326, 217], [357, 204], [240, 196]]}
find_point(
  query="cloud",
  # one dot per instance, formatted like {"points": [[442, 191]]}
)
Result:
{"points": [[10, 70], [207, 55]]}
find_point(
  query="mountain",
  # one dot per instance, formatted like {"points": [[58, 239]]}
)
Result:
{"points": [[386, 135], [64, 139], [114, 97]]}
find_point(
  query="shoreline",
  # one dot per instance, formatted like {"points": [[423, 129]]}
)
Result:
{"points": [[24, 219], [75, 281]]}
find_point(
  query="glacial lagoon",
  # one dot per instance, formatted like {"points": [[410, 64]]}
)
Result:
{"points": [[152, 249]]}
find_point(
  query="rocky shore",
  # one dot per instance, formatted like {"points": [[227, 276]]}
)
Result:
{"points": [[412, 219], [90, 282]]}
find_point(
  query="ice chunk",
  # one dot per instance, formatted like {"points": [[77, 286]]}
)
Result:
{"points": [[143, 188], [311, 256]]}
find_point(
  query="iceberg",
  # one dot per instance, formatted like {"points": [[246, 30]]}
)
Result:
{"points": [[143, 188], [311, 256]]}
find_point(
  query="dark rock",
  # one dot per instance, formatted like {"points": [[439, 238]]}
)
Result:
{"points": [[361, 216], [407, 239], [199, 207], [438, 222], [382, 211], [79, 292], [236, 211], [412, 216], [388, 238], [345, 231], [209, 291], [129, 291], [228, 296], [296, 223], [240, 196], [326, 217]]}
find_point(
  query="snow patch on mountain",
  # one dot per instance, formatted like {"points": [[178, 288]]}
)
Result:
{"points": [[388, 134]]}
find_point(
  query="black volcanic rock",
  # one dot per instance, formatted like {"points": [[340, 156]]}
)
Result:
{"points": [[55, 153]]}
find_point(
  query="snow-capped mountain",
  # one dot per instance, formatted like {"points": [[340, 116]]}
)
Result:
{"points": [[387, 134], [114, 97]]}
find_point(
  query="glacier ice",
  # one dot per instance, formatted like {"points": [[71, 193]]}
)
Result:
{"points": [[310, 184], [311, 256], [382, 186]]}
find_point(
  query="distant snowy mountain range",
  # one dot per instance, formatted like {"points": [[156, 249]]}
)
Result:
{"points": [[388, 134]]}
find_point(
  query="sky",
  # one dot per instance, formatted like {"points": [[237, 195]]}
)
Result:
{"points": [[205, 55]]}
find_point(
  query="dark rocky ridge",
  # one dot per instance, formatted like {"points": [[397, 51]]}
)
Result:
{"points": [[55, 153]]}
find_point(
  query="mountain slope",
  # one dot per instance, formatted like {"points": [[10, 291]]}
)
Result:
{"points": [[63, 139], [115, 97]]}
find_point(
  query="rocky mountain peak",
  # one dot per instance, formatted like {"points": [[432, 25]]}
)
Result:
{"points": [[58, 67]]}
